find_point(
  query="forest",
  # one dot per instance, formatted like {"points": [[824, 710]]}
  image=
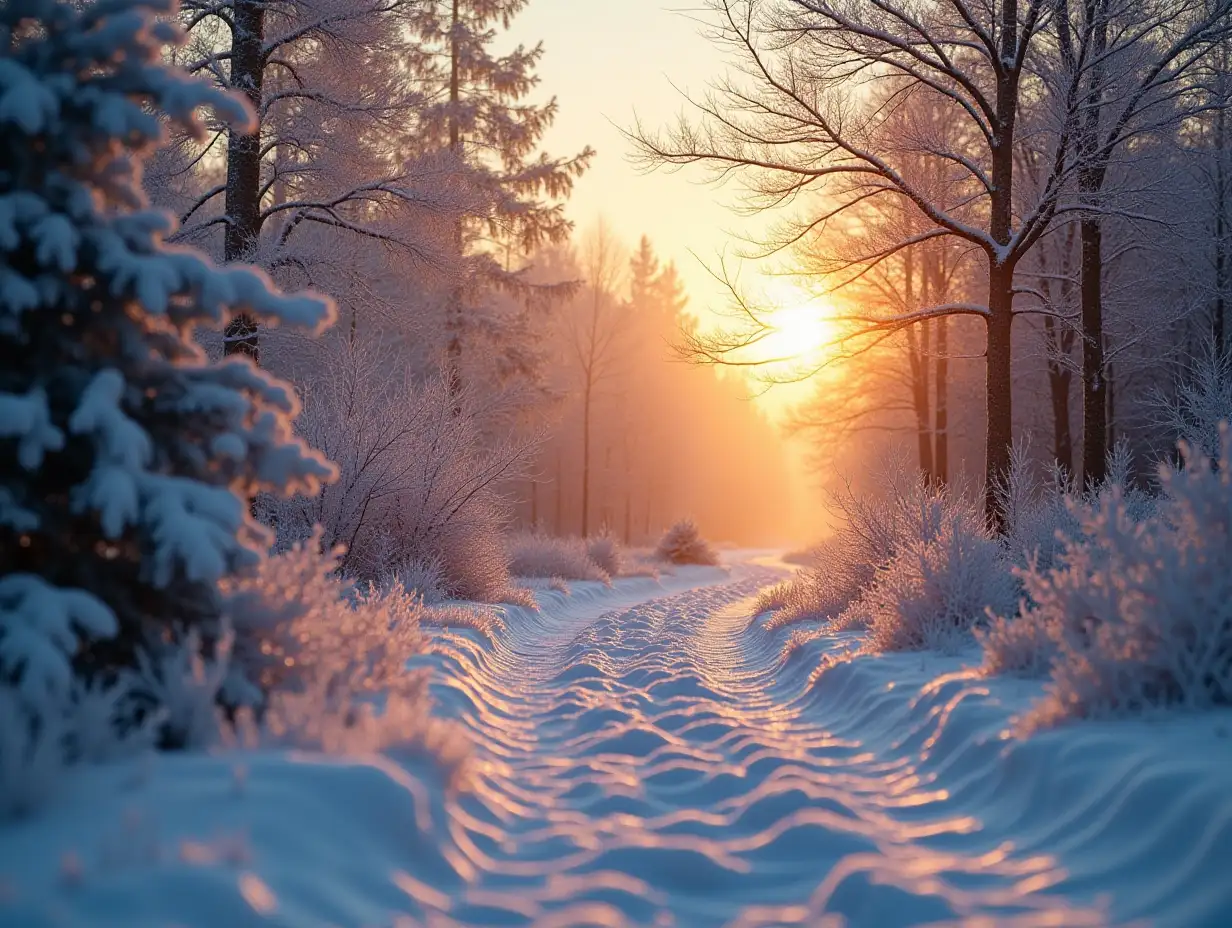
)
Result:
{"points": [[417, 511]]}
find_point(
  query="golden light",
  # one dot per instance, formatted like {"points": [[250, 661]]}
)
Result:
{"points": [[800, 331]]}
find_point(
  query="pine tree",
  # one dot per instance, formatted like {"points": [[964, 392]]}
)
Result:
{"points": [[482, 117], [126, 458]]}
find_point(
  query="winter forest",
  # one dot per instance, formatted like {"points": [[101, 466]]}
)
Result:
{"points": [[543, 462]]}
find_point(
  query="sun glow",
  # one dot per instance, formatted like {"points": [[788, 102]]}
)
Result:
{"points": [[799, 332]]}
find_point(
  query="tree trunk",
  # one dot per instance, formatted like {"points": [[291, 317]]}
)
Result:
{"points": [[1090, 183], [560, 492], [243, 197], [941, 426], [586, 461], [454, 309], [1000, 384], [1060, 378], [1219, 321], [918, 350], [1094, 376]]}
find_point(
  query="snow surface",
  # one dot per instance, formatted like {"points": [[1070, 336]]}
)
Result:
{"points": [[646, 756]]}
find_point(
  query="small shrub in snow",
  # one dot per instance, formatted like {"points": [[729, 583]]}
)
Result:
{"points": [[1200, 401], [683, 544], [40, 743], [607, 553], [423, 577], [1138, 615], [544, 556], [1037, 512], [934, 592], [329, 661]]}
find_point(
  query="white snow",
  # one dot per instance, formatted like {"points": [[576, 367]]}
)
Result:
{"points": [[645, 755]]}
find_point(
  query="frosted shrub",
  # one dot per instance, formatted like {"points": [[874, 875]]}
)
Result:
{"points": [[541, 556], [607, 553], [1038, 513], [1200, 401], [418, 484], [41, 743], [126, 458], [810, 595], [683, 544], [1140, 613], [182, 687], [422, 577], [875, 528], [327, 661], [935, 591]]}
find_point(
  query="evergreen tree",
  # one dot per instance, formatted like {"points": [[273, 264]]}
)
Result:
{"points": [[480, 114], [126, 458]]}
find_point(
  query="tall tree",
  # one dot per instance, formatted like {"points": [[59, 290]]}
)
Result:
{"points": [[826, 84], [596, 329], [125, 457], [480, 112], [1134, 61], [325, 152]]}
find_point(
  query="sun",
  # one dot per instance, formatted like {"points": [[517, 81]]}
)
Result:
{"points": [[799, 334]]}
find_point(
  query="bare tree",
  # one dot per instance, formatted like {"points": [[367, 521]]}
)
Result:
{"points": [[595, 328], [1136, 62], [825, 82]]}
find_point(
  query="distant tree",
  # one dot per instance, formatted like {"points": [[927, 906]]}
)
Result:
{"points": [[126, 459], [596, 328]]}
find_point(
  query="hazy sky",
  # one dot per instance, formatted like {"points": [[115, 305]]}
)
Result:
{"points": [[606, 61]]}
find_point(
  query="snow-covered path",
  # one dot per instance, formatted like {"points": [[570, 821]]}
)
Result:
{"points": [[660, 764], [646, 756]]}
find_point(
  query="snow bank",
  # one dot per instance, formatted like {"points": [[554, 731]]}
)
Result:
{"points": [[645, 754]]}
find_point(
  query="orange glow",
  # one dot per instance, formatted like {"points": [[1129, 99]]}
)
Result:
{"points": [[800, 331]]}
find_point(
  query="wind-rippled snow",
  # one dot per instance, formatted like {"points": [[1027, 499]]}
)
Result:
{"points": [[660, 763]]}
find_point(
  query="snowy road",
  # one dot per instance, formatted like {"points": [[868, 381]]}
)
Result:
{"points": [[646, 756], [661, 764]]}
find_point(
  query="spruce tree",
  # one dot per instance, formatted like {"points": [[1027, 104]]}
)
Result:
{"points": [[126, 457], [482, 117]]}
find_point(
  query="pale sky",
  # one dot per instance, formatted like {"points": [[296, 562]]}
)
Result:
{"points": [[606, 61]]}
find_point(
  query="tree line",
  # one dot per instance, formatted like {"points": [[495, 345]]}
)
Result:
{"points": [[1037, 184]]}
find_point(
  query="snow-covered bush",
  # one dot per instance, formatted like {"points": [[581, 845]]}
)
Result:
{"points": [[1038, 514], [683, 544], [126, 459], [1201, 399], [1136, 614], [422, 577], [542, 556], [936, 590], [874, 529], [811, 594], [327, 661], [606, 552], [418, 484], [39, 744]]}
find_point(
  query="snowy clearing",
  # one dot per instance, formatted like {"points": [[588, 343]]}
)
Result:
{"points": [[645, 755]]}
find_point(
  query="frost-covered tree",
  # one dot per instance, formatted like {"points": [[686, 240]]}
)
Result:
{"points": [[479, 112], [322, 183], [126, 459]]}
